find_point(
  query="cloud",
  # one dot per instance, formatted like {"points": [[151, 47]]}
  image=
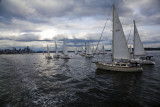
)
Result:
{"points": [[78, 21]]}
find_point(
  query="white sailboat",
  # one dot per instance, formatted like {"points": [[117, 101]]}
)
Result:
{"points": [[76, 51], [48, 56], [89, 51], [139, 54], [103, 50], [97, 51], [120, 52], [65, 52], [57, 55], [82, 52], [93, 50]]}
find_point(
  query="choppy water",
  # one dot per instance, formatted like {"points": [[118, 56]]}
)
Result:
{"points": [[32, 80]]}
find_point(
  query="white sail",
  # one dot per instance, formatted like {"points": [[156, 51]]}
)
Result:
{"points": [[85, 48], [89, 51], [93, 50], [48, 50], [82, 50], [103, 50], [65, 52], [119, 43], [56, 48], [76, 51], [138, 46]]}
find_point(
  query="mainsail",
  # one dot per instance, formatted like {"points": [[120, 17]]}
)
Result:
{"points": [[88, 51], [103, 50], [138, 46], [48, 50], [65, 52], [56, 48], [119, 44], [82, 50]]}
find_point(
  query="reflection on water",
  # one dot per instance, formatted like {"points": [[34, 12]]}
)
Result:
{"points": [[32, 80]]}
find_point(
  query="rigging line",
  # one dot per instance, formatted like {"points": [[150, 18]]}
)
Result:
{"points": [[129, 34], [103, 29]]}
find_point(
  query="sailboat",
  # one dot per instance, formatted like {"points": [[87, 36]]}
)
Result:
{"points": [[76, 51], [89, 51], [48, 56], [56, 54], [120, 52], [82, 52], [65, 52], [93, 50], [103, 50], [139, 54], [97, 51]]}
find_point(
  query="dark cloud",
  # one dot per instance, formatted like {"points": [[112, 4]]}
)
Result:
{"points": [[23, 37], [40, 9], [68, 19]]}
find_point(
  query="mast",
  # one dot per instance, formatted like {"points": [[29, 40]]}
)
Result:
{"points": [[113, 34]]}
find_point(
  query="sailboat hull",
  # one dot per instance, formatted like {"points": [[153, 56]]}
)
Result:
{"points": [[56, 56], [89, 56], [65, 57], [48, 57], [143, 62], [112, 67]]}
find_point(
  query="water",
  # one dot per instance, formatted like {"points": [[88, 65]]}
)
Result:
{"points": [[32, 80]]}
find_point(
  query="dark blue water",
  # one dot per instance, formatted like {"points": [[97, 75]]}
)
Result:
{"points": [[33, 81]]}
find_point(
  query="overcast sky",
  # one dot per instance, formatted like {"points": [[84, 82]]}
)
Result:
{"points": [[36, 23]]}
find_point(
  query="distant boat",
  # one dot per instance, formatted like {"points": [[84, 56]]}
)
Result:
{"points": [[48, 56], [82, 52], [103, 51], [76, 51], [65, 52], [89, 51], [93, 50], [120, 52], [57, 55], [139, 54], [97, 51]]}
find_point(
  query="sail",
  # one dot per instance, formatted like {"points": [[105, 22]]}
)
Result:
{"points": [[88, 51], [76, 51], [103, 50], [65, 52], [85, 48], [119, 44], [93, 50], [138, 46], [82, 50], [48, 50], [56, 48]]}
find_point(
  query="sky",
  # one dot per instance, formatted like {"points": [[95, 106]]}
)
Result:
{"points": [[36, 23]]}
